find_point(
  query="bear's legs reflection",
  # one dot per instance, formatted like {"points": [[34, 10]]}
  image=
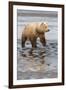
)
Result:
{"points": [[38, 55]]}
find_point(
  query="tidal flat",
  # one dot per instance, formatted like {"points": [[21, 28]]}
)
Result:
{"points": [[38, 63], [41, 62]]}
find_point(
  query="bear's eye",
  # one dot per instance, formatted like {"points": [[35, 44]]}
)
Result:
{"points": [[45, 26]]}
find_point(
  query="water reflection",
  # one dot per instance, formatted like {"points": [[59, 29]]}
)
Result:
{"points": [[38, 61], [34, 55]]}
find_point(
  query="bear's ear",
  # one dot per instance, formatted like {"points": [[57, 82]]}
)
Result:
{"points": [[45, 23], [42, 23]]}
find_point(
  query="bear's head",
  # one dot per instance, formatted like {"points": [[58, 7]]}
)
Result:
{"points": [[44, 27]]}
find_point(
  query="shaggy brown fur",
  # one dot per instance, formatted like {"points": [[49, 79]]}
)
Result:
{"points": [[33, 31]]}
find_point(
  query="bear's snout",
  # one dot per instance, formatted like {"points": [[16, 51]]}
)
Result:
{"points": [[48, 30]]}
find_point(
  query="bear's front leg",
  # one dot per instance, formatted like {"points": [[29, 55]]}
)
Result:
{"points": [[43, 40]]}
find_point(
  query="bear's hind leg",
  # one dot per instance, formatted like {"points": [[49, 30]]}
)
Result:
{"points": [[23, 41], [33, 42]]}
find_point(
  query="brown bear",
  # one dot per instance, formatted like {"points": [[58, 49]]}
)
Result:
{"points": [[34, 30]]}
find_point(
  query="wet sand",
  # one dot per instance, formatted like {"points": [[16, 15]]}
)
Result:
{"points": [[42, 62], [38, 63]]}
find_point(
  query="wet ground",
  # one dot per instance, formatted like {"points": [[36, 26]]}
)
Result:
{"points": [[38, 63], [42, 62]]}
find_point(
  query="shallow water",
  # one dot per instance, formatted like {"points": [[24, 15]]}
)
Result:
{"points": [[41, 62], [37, 63]]}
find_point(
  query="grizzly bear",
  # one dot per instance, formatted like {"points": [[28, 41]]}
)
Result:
{"points": [[32, 31]]}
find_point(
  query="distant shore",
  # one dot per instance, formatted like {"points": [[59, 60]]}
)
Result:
{"points": [[37, 13]]}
